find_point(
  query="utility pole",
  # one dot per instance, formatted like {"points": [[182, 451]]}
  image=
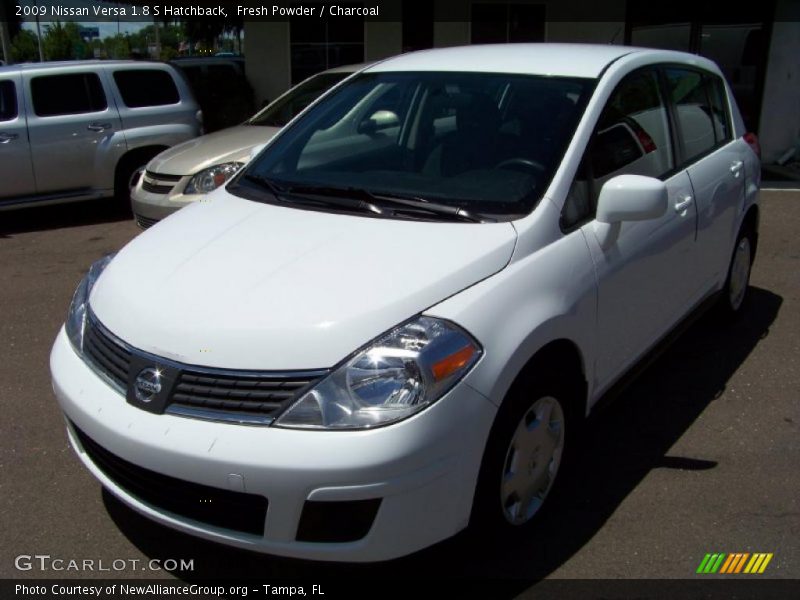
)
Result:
{"points": [[39, 32]]}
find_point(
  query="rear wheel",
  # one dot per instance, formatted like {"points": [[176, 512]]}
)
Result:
{"points": [[734, 293]]}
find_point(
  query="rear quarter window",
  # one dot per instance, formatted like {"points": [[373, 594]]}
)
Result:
{"points": [[69, 94], [146, 87], [8, 101], [689, 94]]}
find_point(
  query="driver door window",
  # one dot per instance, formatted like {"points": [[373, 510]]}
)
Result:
{"points": [[631, 137]]}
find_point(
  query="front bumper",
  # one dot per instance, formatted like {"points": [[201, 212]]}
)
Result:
{"points": [[151, 207], [423, 470]]}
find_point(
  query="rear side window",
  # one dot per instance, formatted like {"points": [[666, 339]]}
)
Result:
{"points": [[67, 94], [719, 110], [8, 101], [146, 87], [689, 93]]}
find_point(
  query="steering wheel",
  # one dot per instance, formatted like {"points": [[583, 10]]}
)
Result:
{"points": [[521, 164]]}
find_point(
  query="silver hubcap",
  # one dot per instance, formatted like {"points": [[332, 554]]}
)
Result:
{"points": [[740, 273], [532, 460]]}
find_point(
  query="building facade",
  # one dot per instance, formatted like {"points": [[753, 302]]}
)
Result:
{"points": [[758, 48]]}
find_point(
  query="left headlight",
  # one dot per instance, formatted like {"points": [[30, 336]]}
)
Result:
{"points": [[210, 179], [396, 376], [76, 318]]}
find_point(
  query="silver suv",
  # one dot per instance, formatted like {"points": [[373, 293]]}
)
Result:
{"points": [[81, 130]]}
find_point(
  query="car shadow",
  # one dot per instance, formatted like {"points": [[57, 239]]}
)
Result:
{"points": [[57, 216], [634, 434]]}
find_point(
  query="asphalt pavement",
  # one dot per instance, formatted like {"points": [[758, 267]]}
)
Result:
{"points": [[701, 454]]}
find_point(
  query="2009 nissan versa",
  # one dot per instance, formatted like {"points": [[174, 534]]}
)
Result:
{"points": [[387, 328]]}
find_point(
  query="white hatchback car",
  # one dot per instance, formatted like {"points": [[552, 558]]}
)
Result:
{"points": [[386, 328]]}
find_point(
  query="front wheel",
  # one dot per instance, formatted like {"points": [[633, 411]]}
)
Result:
{"points": [[525, 459]]}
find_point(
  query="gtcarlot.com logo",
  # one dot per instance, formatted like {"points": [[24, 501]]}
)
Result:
{"points": [[46, 562], [734, 563]]}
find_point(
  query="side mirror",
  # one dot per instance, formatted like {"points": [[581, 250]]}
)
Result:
{"points": [[377, 121], [628, 198]]}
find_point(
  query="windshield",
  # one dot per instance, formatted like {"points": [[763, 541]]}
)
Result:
{"points": [[487, 143], [285, 108]]}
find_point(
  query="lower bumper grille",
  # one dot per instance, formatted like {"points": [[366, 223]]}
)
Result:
{"points": [[214, 506], [145, 222]]}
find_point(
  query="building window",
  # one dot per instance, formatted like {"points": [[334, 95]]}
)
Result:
{"points": [[500, 23], [417, 25], [320, 44]]}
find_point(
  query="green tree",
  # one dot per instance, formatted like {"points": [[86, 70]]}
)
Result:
{"points": [[62, 41], [25, 47], [117, 46]]}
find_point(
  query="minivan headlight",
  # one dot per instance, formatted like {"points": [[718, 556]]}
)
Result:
{"points": [[210, 179], [393, 378], [76, 318]]}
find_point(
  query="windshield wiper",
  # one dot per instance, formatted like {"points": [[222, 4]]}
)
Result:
{"points": [[377, 202], [423, 204], [315, 195], [365, 200]]}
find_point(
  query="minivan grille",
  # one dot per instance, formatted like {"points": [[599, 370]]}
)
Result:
{"points": [[245, 397]]}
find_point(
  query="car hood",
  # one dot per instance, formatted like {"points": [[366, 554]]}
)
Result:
{"points": [[233, 283], [227, 145]]}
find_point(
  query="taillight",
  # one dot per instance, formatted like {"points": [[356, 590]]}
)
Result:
{"points": [[752, 141]]}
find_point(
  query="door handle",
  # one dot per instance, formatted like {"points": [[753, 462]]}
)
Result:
{"points": [[736, 167], [683, 204], [98, 126], [7, 137]]}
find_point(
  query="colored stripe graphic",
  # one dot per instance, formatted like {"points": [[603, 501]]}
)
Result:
{"points": [[727, 564], [703, 563], [734, 563]]}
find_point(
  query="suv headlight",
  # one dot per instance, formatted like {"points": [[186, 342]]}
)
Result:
{"points": [[394, 377], [76, 318], [210, 179]]}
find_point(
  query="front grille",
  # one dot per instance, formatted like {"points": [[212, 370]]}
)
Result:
{"points": [[159, 183], [245, 397], [109, 357], [214, 506], [163, 176], [154, 188], [145, 222], [249, 398]]}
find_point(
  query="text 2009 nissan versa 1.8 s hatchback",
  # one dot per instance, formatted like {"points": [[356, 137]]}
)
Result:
{"points": [[386, 328]]}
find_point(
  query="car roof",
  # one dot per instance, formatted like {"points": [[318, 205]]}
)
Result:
{"points": [[60, 64], [348, 68], [569, 60]]}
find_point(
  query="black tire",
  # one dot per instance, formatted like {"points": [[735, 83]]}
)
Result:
{"points": [[494, 505], [122, 180], [734, 293]]}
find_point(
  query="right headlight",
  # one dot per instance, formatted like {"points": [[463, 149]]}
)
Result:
{"points": [[396, 376]]}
